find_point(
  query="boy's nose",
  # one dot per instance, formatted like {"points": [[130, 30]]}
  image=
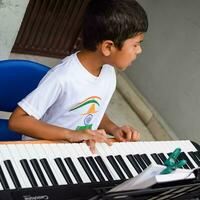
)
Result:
{"points": [[139, 50]]}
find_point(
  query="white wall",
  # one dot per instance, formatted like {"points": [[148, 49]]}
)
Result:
{"points": [[168, 71], [11, 15]]}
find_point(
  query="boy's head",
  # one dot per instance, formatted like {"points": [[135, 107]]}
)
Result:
{"points": [[114, 20]]}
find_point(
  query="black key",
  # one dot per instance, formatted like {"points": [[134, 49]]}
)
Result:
{"points": [[48, 170], [193, 156], [38, 171], [124, 166], [95, 167], [72, 167], [28, 172], [184, 156], [140, 161], [134, 163], [146, 159], [12, 173], [162, 157], [104, 168], [3, 180], [87, 169], [116, 167], [196, 153], [63, 170], [156, 158]]}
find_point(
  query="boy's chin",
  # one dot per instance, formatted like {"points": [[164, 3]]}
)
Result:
{"points": [[122, 68]]}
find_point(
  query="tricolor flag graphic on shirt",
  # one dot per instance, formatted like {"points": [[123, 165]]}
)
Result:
{"points": [[90, 100], [93, 103]]}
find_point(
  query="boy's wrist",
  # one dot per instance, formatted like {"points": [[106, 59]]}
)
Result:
{"points": [[69, 135]]}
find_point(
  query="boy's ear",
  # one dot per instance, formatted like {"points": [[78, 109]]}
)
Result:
{"points": [[107, 47]]}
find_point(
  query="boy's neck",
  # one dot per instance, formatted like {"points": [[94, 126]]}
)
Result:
{"points": [[91, 61]]}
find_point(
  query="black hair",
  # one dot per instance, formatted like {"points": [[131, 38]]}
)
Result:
{"points": [[115, 20]]}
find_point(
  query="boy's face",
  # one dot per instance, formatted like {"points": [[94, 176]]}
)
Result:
{"points": [[122, 58]]}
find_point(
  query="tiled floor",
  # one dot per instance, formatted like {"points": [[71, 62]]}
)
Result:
{"points": [[119, 110]]}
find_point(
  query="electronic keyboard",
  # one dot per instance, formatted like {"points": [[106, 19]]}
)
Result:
{"points": [[37, 171]]}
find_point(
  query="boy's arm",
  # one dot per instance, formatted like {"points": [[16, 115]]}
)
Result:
{"points": [[21, 122], [123, 133]]}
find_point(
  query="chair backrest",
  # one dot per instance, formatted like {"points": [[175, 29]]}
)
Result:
{"points": [[17, 79]]}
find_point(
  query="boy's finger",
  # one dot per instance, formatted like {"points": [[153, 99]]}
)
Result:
{"points": [[102, 132], [101, 136], [108, 142], [120, 138], [128, 134], [135, 136], [91, 144]]}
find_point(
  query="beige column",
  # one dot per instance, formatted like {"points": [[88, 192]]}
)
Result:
{"points": [[11, 16]]}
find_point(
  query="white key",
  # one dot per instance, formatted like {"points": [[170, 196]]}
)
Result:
{"points": [[87, 152], [103, 154], [67, 148], [16, 159], [121, 151], [112, 151], [131, 149], [6, 154], [185, 146], [50, 157], [58, 154], [34, 155], [188, 146], [80, 151], [149, 148], [65, 154], [1, 187], [23, 154], [165, 148], [7, 175]]}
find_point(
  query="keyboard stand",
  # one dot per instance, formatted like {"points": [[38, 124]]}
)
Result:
{"points": [[177, 190]]}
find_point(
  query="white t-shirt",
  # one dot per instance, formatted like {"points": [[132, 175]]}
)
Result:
{"points": [[71, 97]]}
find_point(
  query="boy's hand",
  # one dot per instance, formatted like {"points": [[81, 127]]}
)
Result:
{"points": [[90, 137], [126, 133], [91, 143], [100, 134]]}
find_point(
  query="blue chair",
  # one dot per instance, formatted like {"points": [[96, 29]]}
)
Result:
{"points": [[17, 79]]}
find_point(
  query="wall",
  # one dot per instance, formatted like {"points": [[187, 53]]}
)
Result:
{"points": [[168, 71], [11, 15]]}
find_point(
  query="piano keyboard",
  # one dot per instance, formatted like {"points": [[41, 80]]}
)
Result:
{"points": [[33, 165]]}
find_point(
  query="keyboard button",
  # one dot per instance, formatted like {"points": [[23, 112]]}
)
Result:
{"points": [[134, 163], [39, 172], [73, 169], [48, 170], [3, 180], [124, 166], [28, 172], [95, 167], [63, 170]]}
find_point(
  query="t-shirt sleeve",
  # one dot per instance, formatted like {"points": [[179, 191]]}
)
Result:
{"points": [[39, 100]]}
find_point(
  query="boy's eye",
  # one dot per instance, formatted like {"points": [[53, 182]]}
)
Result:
{"points": [[136, 45]]}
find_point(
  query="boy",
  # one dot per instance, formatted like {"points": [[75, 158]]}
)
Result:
{"points": [[71, 100]]}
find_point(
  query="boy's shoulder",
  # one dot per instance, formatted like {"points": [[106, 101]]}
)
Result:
{"points": [[71, 69], [65, 66]]}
